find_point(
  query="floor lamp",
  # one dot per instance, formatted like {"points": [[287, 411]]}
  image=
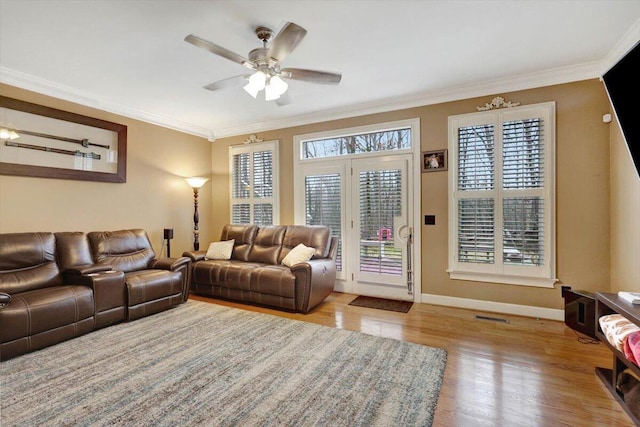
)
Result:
{"points": [[196, 182]]}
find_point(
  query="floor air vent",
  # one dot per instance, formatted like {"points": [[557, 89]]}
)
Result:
{"points": [[493, 319]]}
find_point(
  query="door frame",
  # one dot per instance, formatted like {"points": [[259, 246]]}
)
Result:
{"points": [[416, 176]]}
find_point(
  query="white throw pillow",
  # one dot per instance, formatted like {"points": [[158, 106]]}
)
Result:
{"points": [[220, 250], [300, 253]]}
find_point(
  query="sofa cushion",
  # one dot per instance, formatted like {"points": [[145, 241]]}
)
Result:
{"points": [[27, 262], [243, 235], [300, 253], [124, 250], [229, 274], [314, 236], [273, 280], [267, 245], [40, 310], [220, 250], [148, 285], [73, 250]]}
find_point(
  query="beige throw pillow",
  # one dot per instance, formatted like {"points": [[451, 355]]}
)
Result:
{"points": [[220, 250], [300, 253]]}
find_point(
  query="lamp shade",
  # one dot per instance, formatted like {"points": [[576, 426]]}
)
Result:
{"points": [[275, 88], [256, 83], [8, 134], [196, 181]]}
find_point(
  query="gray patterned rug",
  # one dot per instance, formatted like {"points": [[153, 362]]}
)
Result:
{"points": [[203, 364]]}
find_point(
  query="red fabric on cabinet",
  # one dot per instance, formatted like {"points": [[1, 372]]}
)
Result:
{"points": [[632, 347]]}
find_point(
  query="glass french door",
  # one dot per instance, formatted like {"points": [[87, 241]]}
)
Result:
{"points": [[381, 227], [366, 204]]}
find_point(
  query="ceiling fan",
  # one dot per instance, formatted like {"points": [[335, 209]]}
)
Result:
{"points": [[265, 61]]}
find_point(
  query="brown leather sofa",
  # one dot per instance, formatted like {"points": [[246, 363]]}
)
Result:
{"points": [[254, 274], [56, 286]]}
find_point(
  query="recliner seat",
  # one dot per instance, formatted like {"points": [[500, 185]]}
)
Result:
{"points": [[151, 286], [42, 309]]}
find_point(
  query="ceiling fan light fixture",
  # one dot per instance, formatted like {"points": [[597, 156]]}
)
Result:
{"points": [[251, 90], [265, 61], [278, 85], [270, 94], [256, 83], [275, 88]]}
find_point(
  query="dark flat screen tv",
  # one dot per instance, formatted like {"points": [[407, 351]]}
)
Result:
{"points": [[623, 86]]}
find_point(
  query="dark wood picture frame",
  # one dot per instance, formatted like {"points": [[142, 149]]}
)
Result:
{"points": [[120, 176], [439, 162]]}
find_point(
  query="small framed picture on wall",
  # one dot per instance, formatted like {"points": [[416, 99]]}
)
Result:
{"points": [[433, 161]]}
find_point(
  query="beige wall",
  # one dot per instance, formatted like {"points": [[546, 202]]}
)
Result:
{"points": [[582, 190], [154, 197], [625, 216]]}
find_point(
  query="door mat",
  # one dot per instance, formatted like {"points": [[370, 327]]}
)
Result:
{"points": [[382, 304]]}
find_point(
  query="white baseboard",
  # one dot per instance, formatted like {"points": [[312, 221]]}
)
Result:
{"points": [[497, 307]]}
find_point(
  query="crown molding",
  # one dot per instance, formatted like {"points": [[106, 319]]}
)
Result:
{"points": [[47, 87], [548, 77], [471, 90], [625, 44]]}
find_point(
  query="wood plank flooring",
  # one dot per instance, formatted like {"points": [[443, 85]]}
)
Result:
{"points": [[527, 372]]}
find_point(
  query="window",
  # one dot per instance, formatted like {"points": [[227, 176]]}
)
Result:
{"points": [[381, 201], [254, 186], [502, 195], [323, 205], [386, 140]]}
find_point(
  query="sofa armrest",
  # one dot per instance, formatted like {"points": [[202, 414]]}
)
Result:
{"points": [[86, 269], [172, 264], [92, 277], [180, 265], [315, 280], [85, 274], [5, 299], [109, 291], [195, 255]]}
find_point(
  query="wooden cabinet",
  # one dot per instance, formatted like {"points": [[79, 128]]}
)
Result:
{"points": [[607, 303]]}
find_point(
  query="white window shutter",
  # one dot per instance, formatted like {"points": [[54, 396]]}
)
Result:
{"points": [[254, 188], [323, 199], [502, 196], [476, 158]]}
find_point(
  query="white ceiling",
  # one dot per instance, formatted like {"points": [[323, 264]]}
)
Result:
{"points": [[129, 57]]}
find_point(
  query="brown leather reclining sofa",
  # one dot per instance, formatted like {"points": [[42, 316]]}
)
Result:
{"points": [[254, 274], [56, 286]]}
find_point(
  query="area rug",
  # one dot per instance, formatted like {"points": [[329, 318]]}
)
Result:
{"points": [[203, 364], [382, 303]]}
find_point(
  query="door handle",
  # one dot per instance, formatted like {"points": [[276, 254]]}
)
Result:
{"points": [[401, 234]]}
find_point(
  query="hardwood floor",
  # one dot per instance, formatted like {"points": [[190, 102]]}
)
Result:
{"points": [[527, 372]]}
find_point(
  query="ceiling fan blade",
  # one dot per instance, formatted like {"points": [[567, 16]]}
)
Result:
{"points": [[219, 50], [286, 40], [234, 81], [313, 76], [285, 99]]}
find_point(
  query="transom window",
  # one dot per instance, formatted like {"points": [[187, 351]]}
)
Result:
{"points": [[387, 140], [502, 195]]}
